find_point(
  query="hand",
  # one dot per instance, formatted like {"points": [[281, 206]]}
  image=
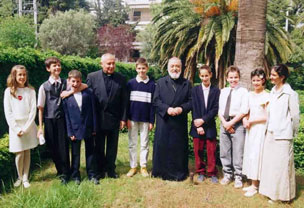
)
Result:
{"points": [[200, 131], [178, 110], [198, 122], [40, 131], [231, 130], [93, 133], [122, 125], [129, 126], [65, 94], [171, 111], [73, 138], [20, 134], [150, 126], [228, 125], [246, 123]]}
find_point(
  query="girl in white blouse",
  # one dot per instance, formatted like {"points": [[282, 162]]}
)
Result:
{"points": [[20, 112]]}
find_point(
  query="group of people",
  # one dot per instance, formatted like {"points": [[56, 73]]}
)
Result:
{"points": [[256, 128]]}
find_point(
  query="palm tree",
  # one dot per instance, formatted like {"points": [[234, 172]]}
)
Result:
{"points": [[250, 37], [204, 31]]}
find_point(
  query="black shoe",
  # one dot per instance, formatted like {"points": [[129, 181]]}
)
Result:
{"points": [[112, 175], [64, 181], [101, 175], [77, 181], [95, 181]]}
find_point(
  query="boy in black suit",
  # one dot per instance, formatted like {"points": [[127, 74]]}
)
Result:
{"points": [[205, 104], [109, 88], [80, 117]]}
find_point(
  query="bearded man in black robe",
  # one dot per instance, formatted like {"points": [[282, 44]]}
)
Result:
{"points": [[172, 102]]}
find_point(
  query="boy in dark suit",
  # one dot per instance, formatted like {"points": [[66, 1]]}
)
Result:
{"points": [[205, 103], [80, 117]]}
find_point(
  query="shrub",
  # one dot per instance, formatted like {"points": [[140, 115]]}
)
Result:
{"points": [[7, 161], [70, 33], [17, 32], [34, 62]]}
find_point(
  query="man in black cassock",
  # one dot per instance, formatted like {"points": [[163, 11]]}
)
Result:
{"points": [[172, 102]]}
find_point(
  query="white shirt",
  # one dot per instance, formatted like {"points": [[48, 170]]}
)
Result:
{"points": [[239, 101], [78, 98], [21, 108], [206, 91], [139, 79], [41, 92]]}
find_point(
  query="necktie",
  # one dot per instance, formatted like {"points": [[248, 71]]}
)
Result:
{"points": [[227, 108]]}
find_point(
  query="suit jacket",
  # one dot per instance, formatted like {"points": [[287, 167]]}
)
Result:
{"points": [[80, 124], [208, 115], [111, 109]]}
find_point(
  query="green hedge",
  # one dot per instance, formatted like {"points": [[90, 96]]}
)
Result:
{"points": [[8, 171], [34, 62]]}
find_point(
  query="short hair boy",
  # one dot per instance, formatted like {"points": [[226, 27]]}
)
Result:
{"points": [[233, 106], [51, 112], [140, 116], [80, 117], [205, 102]]}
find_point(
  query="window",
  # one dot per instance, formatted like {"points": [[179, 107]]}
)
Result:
{"points": [[136, 15]]}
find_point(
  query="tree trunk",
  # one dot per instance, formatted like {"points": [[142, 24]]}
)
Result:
{"points": [[250, 38]]}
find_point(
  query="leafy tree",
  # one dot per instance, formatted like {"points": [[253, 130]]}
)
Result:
{"points": [[6, 8], [64, 5], [295, 8], [110, 12], [71, 32], [17, 32], [117, 40]]}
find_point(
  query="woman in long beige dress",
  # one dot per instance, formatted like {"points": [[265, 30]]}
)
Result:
{"points": [[277, 179]]}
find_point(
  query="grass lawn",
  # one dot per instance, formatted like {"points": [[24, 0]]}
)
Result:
{"points": [[46, 191]]}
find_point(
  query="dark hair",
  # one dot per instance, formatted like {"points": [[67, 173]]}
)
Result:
{"points": [[233, 69], [282, 70], [51, 60], [75, 74], [260, 73], [142, 61], [204, 67]]}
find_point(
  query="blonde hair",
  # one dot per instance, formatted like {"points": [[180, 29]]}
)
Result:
{"points": [[75, 74], [12, 82]]}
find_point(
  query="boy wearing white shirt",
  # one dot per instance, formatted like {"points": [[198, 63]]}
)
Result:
{"points": [[233, 106], [51, 113]]}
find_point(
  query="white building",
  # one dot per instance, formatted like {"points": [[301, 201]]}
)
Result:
{"points": [[140, 12]]}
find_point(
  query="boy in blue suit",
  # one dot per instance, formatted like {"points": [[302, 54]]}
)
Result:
{"points": [[205, 104], [80, 117]]}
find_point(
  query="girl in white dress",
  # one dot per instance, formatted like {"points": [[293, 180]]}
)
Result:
{"points": [[255, 125], [20, 112]]}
